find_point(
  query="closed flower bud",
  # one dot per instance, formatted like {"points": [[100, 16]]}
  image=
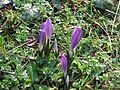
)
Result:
{"points": [[63, 60], [48, 28], [76, 37]]}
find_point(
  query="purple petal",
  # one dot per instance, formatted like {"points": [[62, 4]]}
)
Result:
{"points": [[76, 37], [43, 27], [42, 37], [56, 45], [63, 60], [48, 27]]}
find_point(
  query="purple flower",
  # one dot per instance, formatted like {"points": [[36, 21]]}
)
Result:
{"points": [[76, 37], [48, 28], [42, 37], [56, 45], [63, 60]]}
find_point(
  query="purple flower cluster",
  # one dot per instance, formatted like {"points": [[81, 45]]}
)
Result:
{"points": [[46, 33], [47, 27]]}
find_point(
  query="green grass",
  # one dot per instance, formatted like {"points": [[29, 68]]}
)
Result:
{"points": [[96, 61]]}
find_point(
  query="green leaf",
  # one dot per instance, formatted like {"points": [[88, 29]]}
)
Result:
{"points": [[77, 62], [32, 71], [1, 40], [15, 88], [36, 86]]}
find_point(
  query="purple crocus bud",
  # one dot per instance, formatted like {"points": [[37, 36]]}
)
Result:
{"points": [[42, 37], [56, 45], [63, 60], [48, 28], [76, 37]]}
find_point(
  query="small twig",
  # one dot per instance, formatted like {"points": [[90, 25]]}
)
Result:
{"points": [[112, 12], [107, 62], [17, 47], [89, 87], [101, 27], [7, 72], [104, 31], [42, 80], [21, 20], [28, 60], [24, 66], [90, 31], [113, 24]]}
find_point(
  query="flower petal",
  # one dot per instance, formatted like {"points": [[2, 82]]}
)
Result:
{"points": [[63, 60], [76, 37], [48, 28], [42, 37]]}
